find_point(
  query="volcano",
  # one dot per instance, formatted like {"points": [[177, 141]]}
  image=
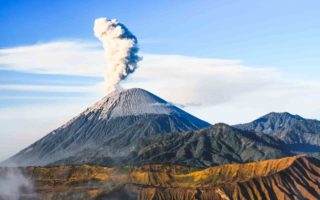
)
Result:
{"points": [[115, 126]]}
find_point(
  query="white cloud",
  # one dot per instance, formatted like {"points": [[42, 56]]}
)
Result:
{"points": [[192, 80], [51, 88], [62, 57], [199, 81], [215, 90]]}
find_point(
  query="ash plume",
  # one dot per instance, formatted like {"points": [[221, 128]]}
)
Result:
{"points": [[121, 50]]}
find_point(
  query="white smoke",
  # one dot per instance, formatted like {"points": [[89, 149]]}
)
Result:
{"points": [[121, 50], [13, 184]]}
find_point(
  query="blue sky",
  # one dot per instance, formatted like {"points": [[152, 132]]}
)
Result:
{"points": [[262, 33], [241, 58]]}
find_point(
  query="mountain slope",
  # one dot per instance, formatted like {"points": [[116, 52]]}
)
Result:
{"points": [[286, 178], [211, 146], [292, 129], [128, 115], [219, 144]]}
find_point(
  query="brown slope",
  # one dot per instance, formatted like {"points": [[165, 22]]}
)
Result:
{"points": [[286, 178], [299, 181]]}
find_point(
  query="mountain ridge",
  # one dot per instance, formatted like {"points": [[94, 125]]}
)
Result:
{"points": [[214, 145]]}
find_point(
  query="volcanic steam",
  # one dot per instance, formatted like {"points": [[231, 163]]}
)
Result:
{"points": [[121, 50]]}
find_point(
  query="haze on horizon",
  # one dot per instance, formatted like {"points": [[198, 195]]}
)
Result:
{"points": [[224, 61]]}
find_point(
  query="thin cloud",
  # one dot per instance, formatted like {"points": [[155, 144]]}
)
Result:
{"points": [[192, 80], [47, 88], [200, 81], [61, 57]]}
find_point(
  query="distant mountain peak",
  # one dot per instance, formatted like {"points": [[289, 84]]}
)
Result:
{"points": [[283, 115], [292, 129]]}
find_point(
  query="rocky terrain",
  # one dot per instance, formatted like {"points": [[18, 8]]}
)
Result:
{"points": [[286, 178]]}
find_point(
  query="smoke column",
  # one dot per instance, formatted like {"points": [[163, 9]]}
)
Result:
{"points": [[121, 50]]}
